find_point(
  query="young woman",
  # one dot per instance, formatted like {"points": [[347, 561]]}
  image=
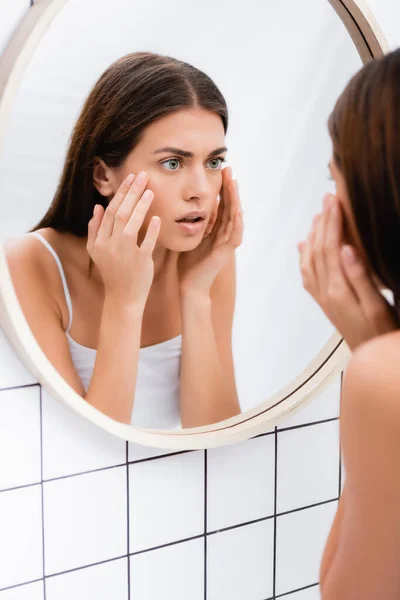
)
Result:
{"points": [[128, 281], [351, 253]]}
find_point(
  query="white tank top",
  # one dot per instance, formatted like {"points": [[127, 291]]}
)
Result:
{"points": [[156, 404]]}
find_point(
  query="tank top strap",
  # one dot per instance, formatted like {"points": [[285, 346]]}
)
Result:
{"points": [[60, 268]]}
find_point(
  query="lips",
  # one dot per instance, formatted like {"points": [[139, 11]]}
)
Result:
{"points": [[193, 216]]}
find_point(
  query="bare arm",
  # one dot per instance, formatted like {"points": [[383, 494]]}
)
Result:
{"points": [[112, 386], [127, 273], [208, 391], [364, 561]]}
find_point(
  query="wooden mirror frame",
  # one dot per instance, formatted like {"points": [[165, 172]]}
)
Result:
{"points": [[329, 362]]}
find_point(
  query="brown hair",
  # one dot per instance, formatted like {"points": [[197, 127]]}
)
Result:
{"points": [[365, 131], [133, 92]]}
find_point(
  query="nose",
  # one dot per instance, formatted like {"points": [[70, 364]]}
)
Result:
{"points": [[197, 184]]}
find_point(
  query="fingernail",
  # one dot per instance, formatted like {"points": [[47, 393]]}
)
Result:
{"points": [[141, 178], [349, 255], [130, 178], [327, 201]]}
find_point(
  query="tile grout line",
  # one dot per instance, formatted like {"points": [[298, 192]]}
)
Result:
{"points": [[128, 522], [310, 424], [307, 587], [294, 510], [205, 519], [88, 566], [275, 512], [41, 486], [18, 585], [116, 466], [8, 388]]}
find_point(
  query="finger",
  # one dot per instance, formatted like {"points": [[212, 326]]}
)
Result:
{"points": [[107, 223], [300, 246], [138, 214], [318, 255], [234, 206], [151, 236], [336, 277], [129, 203], [217, 228], [225, 200], [306, 258], [93, 227], [367, 293], [237, 233], [213, 218]]}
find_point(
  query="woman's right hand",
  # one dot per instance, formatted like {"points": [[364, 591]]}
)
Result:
{"points": [[126, 269], [343, 287]]}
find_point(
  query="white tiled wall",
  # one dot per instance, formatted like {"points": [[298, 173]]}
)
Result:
{"points": [[84, 514]]}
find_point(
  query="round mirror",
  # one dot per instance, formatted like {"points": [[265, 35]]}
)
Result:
{"points": [[231, 357]]}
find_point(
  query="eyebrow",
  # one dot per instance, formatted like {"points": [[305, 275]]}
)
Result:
{"points": [[185, 153]]}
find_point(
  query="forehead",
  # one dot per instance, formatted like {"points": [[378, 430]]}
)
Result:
{"points": [[186, 129]]}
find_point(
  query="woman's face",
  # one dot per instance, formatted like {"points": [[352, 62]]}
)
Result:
{"points": [[183, 155]]}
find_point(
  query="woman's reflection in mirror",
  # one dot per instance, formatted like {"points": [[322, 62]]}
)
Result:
{"points": [[128, 280]]}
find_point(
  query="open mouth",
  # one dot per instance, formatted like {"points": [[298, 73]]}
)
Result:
{"points": [[191, 220]]}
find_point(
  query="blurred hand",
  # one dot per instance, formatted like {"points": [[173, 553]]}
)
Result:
{"points": [[340, 283]]}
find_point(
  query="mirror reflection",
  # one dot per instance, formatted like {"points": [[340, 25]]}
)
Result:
{"points": [[145, 285]]}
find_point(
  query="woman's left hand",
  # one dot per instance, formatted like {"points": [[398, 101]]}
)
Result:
{"points": [[342, 286], [199, 267]]}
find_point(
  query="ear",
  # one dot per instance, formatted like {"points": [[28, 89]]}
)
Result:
{"points": [[103, 178]]}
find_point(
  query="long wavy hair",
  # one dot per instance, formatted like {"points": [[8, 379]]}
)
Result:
{"points": [[365, 130]]}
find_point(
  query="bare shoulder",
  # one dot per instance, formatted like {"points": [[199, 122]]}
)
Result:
{"points": [[372, 379], [32, 271], [28, 250]]}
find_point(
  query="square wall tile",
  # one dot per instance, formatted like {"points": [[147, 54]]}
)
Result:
{"points": [[30, 591], [300, 541], [85, 519], [20, 437], [311, 593], [308, 465], [325, 406], [12, 371], [240, 562], [166, 500], [172, 573], [240, 482], [21, 549], [107, 581], [71, 444]]}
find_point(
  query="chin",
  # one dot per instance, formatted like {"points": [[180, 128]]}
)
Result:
{"points": [[183, 244]]}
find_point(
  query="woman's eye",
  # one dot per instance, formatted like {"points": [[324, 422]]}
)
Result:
{"points": [[175, 164], [217, 163], [329, 176]]}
